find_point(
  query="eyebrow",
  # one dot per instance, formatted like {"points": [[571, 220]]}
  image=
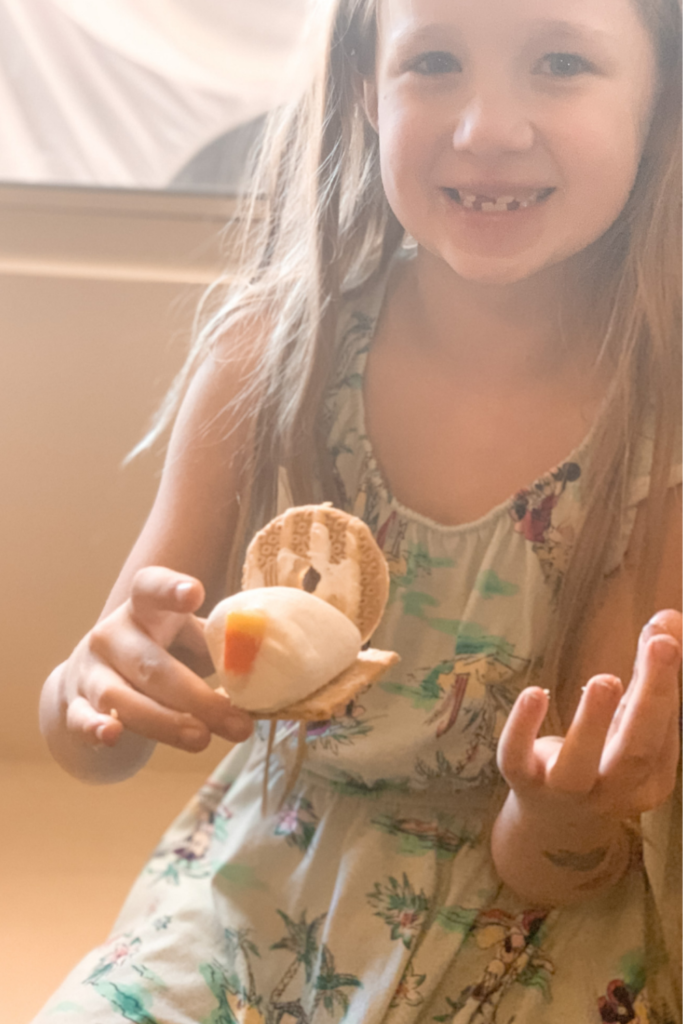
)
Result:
{"points": [[573, 29], [429, 34], [422, 34]]}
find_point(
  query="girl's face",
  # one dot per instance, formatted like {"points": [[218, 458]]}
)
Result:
{"points": [[510, 130]]}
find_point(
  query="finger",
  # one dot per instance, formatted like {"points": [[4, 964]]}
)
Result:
{"points": [[190, 643], [577, 765], [663, 623], [95, 728], [161, 599], [638, 743], [666, 622], [661, 782], [153, 672], [516, 759], [671, 749], [110, 696]]}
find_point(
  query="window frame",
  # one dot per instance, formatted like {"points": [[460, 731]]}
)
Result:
{"points": [[115, 234]]}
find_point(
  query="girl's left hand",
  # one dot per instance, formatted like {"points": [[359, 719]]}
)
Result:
{"points": [[620, 753]]}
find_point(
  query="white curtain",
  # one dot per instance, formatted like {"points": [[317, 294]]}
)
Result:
{"points": [[126, 92]]}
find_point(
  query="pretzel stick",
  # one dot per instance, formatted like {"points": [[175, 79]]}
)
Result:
{"points": [[266, 775], [301, 751]]}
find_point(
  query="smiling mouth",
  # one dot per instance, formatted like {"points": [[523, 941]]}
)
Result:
{"points": [[498, 204]]}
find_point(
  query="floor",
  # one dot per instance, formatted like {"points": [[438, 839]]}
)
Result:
{"points": [[68, 855]]}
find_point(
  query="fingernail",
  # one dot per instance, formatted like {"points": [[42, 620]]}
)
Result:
{"points": [[100, 735], [191, 735], [239, 727], [605, 683], [183, 589], [667, 650], [654, 627]]}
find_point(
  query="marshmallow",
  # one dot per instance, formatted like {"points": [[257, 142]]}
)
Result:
{"points": [[274, 646]]}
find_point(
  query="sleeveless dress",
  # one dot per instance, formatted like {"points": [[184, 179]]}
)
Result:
{"points": [[370, 895]]}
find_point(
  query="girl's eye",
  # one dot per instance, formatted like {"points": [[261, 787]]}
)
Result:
{"points": [[564, 65], [436, 63]]}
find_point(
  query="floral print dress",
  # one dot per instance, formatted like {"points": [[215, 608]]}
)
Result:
{"points": [[369, 893]]}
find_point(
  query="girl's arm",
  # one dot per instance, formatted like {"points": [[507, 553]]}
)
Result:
{"points": [[568, 828], [121, 691]]}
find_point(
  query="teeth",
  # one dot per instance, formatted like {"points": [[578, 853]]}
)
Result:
{"points": [[503, 204]]}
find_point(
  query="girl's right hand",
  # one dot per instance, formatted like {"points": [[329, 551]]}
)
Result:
{"points": [[122, 676]]}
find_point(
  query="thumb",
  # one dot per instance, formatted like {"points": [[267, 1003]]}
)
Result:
{"points": [[667, 621], [162, 599]]}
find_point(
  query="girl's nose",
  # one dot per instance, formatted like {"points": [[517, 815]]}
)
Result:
{"points": [[492, 124]]}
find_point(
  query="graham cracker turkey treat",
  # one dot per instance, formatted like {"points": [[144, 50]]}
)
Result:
{"points": [[289, 645]]}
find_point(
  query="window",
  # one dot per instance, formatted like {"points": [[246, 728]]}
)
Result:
{"points": [[142, 94]]}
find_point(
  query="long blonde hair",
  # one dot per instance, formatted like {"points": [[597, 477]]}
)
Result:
{"points": [[326, 229]]}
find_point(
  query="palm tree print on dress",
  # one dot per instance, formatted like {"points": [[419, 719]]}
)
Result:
{"points": [[354, 784], [302, 941], [399, 906], [234, 985], [323, 985], [330, 985], [420, 837], [233, 1006], [517, 959]]}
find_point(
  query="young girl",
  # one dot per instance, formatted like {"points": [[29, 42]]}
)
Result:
{"points": [[466, 275]]}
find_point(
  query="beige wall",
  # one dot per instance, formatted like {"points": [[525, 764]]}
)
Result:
{"points": [[97, 292]]}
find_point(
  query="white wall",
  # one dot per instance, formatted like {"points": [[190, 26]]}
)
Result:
{"points": [[97, 292]]}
